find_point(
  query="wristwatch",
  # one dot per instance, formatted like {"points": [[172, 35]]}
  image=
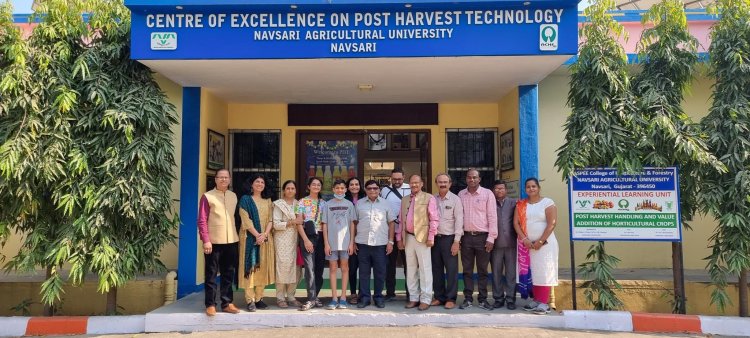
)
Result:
{"points": [[390, 242]]}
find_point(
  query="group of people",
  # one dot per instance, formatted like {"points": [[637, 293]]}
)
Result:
{"points": [[365, 229]]}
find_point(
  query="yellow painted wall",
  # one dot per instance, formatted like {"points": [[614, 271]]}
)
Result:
{"points": [[214, 117], [275, 116], [168, 254], [508, 109], [552, 114]]}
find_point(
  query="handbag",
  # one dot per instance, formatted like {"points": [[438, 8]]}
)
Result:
{"points": [[310, 224]]}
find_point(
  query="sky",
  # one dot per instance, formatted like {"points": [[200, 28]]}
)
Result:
{"points": [[24, 6]]}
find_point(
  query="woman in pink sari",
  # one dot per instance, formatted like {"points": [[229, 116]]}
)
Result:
{"points": [[538, 250]]}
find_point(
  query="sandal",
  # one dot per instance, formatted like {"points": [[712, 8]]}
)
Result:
{"points": [[294, 303], [282, 304]]}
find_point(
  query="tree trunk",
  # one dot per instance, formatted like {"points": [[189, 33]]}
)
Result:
{"points": [[679, 279], [49, 310], [112, 302], [743, 293]]}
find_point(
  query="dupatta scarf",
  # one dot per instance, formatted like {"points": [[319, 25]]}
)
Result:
{"points": [[252, 251], [524, 260]]}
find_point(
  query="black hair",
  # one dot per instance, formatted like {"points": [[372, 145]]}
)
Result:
{"points": [[311, 179], [532, 179], [371, 182], [247, 187], [288, 182], [397, 170], [339, 181], [360, 194], [500, 182]]}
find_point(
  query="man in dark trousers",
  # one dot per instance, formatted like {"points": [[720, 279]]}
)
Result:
{"points": [[393, 195], [503, 258], [220, 242], [447, 244]]}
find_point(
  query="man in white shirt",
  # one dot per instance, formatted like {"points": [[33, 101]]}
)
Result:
{"points": [[393, 195]]}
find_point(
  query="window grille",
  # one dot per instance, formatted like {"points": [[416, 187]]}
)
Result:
{"points": [[255, 151], [471, 148]]}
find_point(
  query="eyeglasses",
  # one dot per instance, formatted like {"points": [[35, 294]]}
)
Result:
{"points": [[373, 188], [222, 178]]}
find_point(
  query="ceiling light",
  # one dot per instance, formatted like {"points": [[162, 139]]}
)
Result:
{"points": [[526, 3], [365, 87], [179, 7], [407, 5], [293, 6]]}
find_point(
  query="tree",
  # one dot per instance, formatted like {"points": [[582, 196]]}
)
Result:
{"points": [[668, 137], [103, 155], [34, 137], [728, 127], [599, 129]]}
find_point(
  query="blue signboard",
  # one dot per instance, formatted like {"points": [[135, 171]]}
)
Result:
{"points": [[220, 30], [605, 206]]}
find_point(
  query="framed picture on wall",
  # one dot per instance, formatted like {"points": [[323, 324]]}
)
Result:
{"points": [[216, 146], [506, 151], [376, 142]]}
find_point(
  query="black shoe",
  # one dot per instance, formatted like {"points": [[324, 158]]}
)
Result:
{"points": [[251, 307], [380, 303], [318, 303], [260, 305], [466, 304], [511, 306], [307, 305], [389, 298], [484, 305], [363, 303], [498, 304]]}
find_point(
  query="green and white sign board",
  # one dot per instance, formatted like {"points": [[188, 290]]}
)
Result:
{"points": [[605, 206]]}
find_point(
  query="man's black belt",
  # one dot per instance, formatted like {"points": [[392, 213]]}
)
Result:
{"points": [[475, 233]]}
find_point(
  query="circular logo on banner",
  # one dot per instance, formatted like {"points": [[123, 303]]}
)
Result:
{"points": [[623, 204], [549, 34]]}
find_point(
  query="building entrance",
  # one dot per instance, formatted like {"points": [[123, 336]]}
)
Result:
{"points": [[341, 154]]}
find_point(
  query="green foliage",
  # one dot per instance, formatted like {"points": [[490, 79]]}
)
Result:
{"points": [[600, 290], [86, 155], [728, 127], [599, 130], [668, 136], [24, 307]]}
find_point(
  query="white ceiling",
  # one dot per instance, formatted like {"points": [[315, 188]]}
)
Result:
{"points": [[394, 80]]}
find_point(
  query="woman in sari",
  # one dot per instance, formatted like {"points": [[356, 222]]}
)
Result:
{"points": [[538, 250], [285, 241], [354, 193], [256, 269]]}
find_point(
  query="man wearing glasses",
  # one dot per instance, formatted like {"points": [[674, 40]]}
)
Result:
{"points": [[373, 240], [220, 242], [393, 195]]}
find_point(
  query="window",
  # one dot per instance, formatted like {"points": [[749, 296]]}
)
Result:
{"points": [[471, 148], [255, 151]]}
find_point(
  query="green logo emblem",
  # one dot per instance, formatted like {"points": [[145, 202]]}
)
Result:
{"points": [[549, 34], [164, 41], [623, 204]]}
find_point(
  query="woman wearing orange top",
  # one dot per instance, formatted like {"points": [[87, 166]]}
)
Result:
{"points": [[534, 222]]}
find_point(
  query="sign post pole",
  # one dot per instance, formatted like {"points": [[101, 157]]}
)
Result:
{"points": [[573, 272]]}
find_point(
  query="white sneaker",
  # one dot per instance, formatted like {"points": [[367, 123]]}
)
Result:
{"points": [[531, 305], [541, 309]]}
